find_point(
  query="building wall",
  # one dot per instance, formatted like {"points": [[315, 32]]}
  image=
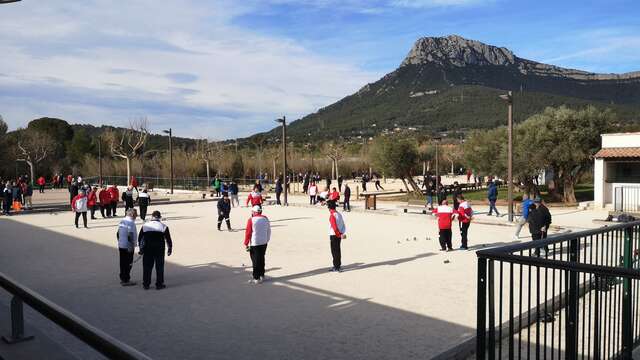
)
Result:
{"points": [[620, 140], [599, 200]]}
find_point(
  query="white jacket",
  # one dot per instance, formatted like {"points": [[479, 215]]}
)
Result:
{"points": [[127, 234], [313, 190], [336, 222], [258, 231]]}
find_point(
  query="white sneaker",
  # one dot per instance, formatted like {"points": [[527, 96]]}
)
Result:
{"points": [[259, 281], [251, 282]]}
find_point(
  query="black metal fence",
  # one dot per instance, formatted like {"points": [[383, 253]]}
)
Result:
{"points": [[100, 341], [571, 296]]}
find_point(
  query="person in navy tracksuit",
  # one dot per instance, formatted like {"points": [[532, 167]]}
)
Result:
{"points": [[151, 241]]}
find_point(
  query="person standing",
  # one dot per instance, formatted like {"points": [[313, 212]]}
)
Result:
{"points": [[337, 232], [114, 195], [256, 237], [79, 205], [233, 193], [377, 184], [429, 190], [73, 189], [105, 201], [41, 182], [445, 216], [92, 201], [457, 193], [492, 196], [133, 182], [334, 195], [127, 198], [127, 240], [224, 210], [151, 241], [347, 196], [7, 195], [546, 216], [526, 205], [28, 193], [305, 183], [340, 180], [255, 197], [313, 192], [465, 214], [364, 182], [536, 222], [278, 190], [144, 200]]}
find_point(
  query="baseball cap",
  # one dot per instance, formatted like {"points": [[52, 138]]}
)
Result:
{"points": [[257, 209]]}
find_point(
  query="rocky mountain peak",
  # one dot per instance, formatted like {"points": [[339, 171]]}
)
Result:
{"points": [[458, 51]]}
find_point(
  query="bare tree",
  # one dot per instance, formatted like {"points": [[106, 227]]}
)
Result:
{"points": [[128, 143], [33, 147], [335, 152]]}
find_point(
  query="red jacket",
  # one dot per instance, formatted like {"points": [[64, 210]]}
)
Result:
{"points": [[104, 196], [69, 179], [254, 198], [134, 182], [92, 199], [114, 194], [445, 214], [334, 196], [41, 180], [464, 212]]}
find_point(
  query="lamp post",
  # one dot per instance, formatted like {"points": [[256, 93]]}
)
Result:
{"points": [[509, 99], [100, 161], [283, 121], [437, 140], [170, 156]]}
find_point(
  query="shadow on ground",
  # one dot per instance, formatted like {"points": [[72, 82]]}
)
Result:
{"points": [[209, 311]]}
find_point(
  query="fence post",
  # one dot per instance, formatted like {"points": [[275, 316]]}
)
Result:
{"points": [[481, 326], [17, 323], [627, 300], [571, 339]]}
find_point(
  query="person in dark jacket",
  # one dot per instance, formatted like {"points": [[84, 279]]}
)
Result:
{"points": [[429, 191], [233, 194], [340, 180], [144, 200], [492, 196], [278, 190], [73, 190], [224, 210], [457, 193], [346, 205], [127, 198], [364, 182], [536, 220], [151, 241], [546, 216], [7, 195]]}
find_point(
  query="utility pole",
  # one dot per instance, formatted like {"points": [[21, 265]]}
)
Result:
{"points": [[170, 156], [437, 172], [509, 99], [283, 121], [100, 160]]}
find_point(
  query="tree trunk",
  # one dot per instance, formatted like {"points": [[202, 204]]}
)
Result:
{"points": [[31, 170], [424, 168], [337, 172], [208, 173], [451, 167], [128, 169], [569, 194], [429, 166], [405, 185]]}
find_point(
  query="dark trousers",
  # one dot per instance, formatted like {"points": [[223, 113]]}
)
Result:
{"points": [[226, 219], [84, 218], [143, 212], [278, 193], [41, 188], [346, 205], [105, 208], [151, 257], [378, 186], [335, 251], [93, 211], [445, 239], [312, 200], [492, 207], [126, 262], [128, 205], [257, 260], [540, 236], [464, 230], [114, 206]]}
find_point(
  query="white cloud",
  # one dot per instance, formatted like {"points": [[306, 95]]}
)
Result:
{"points": [[437, 3], [97, 62]]}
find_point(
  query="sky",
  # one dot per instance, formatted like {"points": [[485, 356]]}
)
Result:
{"points": [[222, 69]]}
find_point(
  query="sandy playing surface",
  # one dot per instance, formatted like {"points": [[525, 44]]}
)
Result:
{"points": [[397, 298]]}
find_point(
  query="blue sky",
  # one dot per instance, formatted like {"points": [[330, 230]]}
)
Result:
{"points": [[221, 68]]}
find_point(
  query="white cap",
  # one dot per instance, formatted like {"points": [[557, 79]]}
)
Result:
{"points": [[257, 209]]}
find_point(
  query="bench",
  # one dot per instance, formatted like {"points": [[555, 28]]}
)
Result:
{"points": [[370, 197], [416, 204]]}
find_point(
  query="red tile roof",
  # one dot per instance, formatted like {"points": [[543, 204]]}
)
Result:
{"points": [[626, 152]]}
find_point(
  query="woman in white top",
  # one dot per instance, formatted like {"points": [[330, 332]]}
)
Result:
{"points": [[313, 192]]}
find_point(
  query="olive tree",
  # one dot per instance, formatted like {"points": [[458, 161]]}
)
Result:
{"points": [[398, 158]]}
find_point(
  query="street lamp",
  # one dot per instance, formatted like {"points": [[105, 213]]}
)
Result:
{"points": [[437, 140], [170, 156], [100, 161], [283, 121], [509, 99]]}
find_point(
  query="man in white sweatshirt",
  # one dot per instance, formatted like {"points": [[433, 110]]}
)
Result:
{"points": [[256, 237], [127, 241]]}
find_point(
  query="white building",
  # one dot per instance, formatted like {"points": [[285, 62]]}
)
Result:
{"points": [[616, 173]]}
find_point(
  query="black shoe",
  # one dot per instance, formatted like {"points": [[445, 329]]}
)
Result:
{"points": [[128, 283], [219, 229], [146, 287], [160, 287]]}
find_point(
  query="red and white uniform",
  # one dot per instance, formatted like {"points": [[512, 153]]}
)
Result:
{"points": [[258, 231], [41, 181], [336, 221], [445, 214], [79, 203], [92, 199], [254, 198], [105, 197], [334, 196], [465, 212], [114, 194]]}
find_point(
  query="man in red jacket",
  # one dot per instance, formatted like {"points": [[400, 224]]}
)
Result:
{"points": [[465, 213], [255, 197], [334, 195], [92, 201], [105, 201], [445, 215], [41, 183], [114, 195]]}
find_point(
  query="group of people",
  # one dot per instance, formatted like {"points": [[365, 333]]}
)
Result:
{"points": [[446, 214], [17, 195]]}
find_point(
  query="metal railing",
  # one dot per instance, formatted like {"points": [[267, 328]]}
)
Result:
{"points": [[569, 296], [97, 339], [183, 182], [626, 199]]}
